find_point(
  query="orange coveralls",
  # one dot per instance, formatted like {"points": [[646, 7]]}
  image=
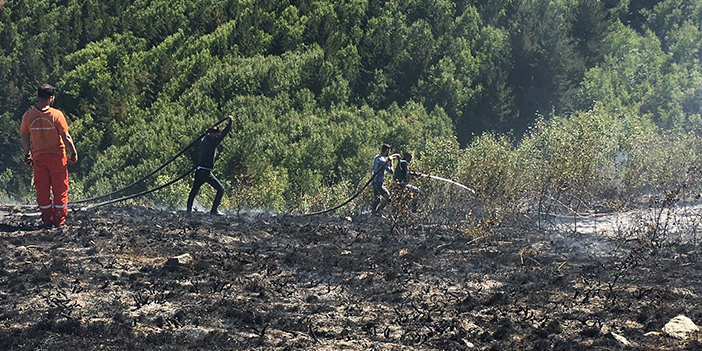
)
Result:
{"points": [[49, 155]]}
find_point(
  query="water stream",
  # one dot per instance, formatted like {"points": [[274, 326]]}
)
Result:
{"points": [[452, 182]]}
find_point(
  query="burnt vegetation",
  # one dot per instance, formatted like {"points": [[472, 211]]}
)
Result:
{"points": [[411, 281]]}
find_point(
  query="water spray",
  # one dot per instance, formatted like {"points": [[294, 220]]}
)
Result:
{"points": [[447, 181]]}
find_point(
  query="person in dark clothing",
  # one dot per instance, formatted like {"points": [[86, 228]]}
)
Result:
{"points": [[203, 174], [380, 193], [401, 176]]}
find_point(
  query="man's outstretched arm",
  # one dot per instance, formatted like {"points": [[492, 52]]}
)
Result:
{"points": [[227, 129]]}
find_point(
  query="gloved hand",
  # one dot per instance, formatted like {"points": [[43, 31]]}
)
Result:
{"points": [[28, 160], [73, 159]]}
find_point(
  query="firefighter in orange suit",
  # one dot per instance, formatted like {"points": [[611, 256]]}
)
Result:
{"points": [[45, 139]]}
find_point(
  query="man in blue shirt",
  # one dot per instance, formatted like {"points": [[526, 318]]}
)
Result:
{"points": [[208, 153], [380, 192]]}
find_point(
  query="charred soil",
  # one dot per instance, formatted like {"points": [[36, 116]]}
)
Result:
{"points": [[140, 279]]}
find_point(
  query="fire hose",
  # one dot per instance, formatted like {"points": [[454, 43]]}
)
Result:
{"points": [[140, 193], [144, 178], [382, 169], [198, 138], [359, 192]]}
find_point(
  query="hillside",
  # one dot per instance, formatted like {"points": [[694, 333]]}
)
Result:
{"points": [[317, 86]]}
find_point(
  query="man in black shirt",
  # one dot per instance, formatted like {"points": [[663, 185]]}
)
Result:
{"points": [[208, 153], [401, 175]]}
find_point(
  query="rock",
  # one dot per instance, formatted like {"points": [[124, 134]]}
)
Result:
{"points": [[468, 344], [621, 339], [680, 327], [184, 260]]}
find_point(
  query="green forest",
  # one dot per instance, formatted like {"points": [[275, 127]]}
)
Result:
{"points": [[573, 101]]}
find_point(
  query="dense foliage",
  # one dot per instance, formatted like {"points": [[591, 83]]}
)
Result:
{"points": [[535, 98]]}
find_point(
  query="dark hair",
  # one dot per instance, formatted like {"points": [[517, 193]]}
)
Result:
{"points": [[407, 156], [385, 147], [46, 91], [214, 129]]}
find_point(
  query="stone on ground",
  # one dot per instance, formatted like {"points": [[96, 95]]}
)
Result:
{"points": [[621, 339], [184, 260], [680, 327]]}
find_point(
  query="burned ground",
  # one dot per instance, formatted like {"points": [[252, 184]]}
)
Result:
{"points": [[331, 283]]}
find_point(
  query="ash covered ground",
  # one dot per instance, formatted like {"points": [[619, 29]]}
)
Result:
{"points": [[111, 280]]}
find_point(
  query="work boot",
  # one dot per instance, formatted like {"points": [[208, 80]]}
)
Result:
{"points": [[59, 221], [60, 214], [47, 216]]}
